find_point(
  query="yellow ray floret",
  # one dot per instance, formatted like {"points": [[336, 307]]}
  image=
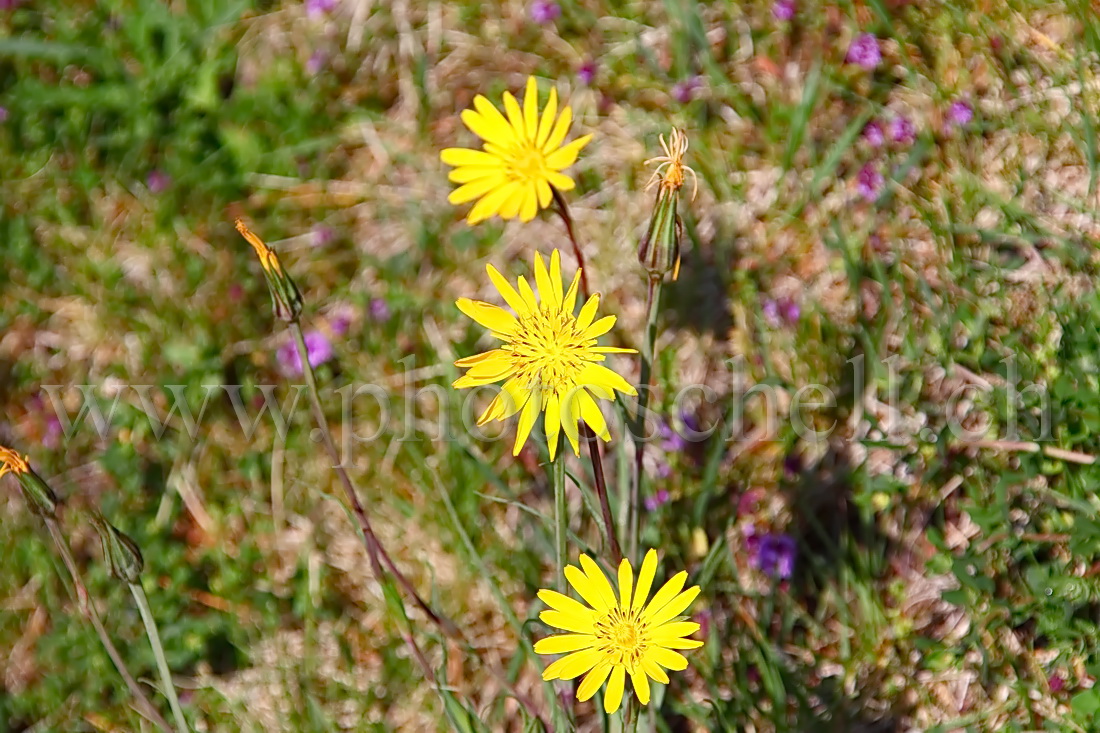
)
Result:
{"points": [[616, 636], [522, 157], [548, 356]]}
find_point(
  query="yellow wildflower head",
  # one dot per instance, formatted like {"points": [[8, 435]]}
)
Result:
{"points": [[286, 300], [669, 173], [615, 636], [11, 462], [549, 356], [268, 259], [523, 157]]}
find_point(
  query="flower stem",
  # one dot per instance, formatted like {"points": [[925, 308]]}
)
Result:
{"points": [[561, 517], [649, 349], [158, 652], [601, 491], [375, 551], [567, 218], [88, 610]]}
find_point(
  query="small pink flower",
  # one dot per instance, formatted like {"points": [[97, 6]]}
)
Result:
{"points": [[960, 113], [869, 182], [783, 9], [543, 11], [587, 73], [902, 130], [874, 134], [865, 51]]}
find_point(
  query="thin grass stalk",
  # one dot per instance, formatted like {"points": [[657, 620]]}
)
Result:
{"points": [[375, 551], [567, 218], [88, 610], [561, 518], [601, 491], [649, 349], [158, 651]]}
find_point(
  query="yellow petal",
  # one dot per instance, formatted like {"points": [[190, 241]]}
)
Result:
{"points": [[488, 315], [674, 630], [486, 127], [560, 181], [668, 591], [613, 695], [464, 156], [531, 109], [510, 208], [599, 581], [511, 297], [565, 604], [492, 370], [590, 413], [569, 302], [592, 681], [595, 374], [626, 581], [526, 422], [547, 121], [515, 116], [527, 293], [564, 643], [599, 328], [545, 194], [561, 129], [542, 282], [641, 685], [588, 312], [673, 608], [585, 589], [568, 622], [469, 361], [511, 399], [468, 173], [492, 116], [530, 205], [475, 189], [555, 277], [569, 418], [491, 203], [666, 658], [652, 669], [552, 425], [573, 665], [566, 156], [679, 643], [645, 579]]}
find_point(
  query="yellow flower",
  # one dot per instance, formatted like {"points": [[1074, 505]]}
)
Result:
{"points": [[549, 357], [620, 636], [523, 157], [11, 462], [669, 173]]}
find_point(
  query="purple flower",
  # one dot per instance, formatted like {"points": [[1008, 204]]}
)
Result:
{"points": [[770, 309], [379, 310], [3, 114], [316, 62], [783, 9], [703, 618], [865, 52], [158, 181], [869, 182], [771, 553], [543, 11], [902, 130], [318, 349], [684, 91], [315, 8], [960, 113], [777, 312], [874, 134], [322, 235], [655, 502], [1057, 684], [587, 73], [675, 441]]}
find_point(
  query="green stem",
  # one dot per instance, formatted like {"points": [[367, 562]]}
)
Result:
{"points": [[561, 517], [158, 652], [588, 436], [88, 609], [649, 349]]}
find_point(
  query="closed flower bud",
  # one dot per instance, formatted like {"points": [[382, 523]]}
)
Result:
{"points": [[40, 497], [286, 300], [659, 251], [123, 558]]}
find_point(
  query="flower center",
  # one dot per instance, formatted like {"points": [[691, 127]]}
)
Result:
{"points": [[549, 350], [528, 162], [623, 635]]}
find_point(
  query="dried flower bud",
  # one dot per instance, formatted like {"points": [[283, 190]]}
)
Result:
{"points": [[286, 300], [40, 497], [122, 555], [659, 251]]}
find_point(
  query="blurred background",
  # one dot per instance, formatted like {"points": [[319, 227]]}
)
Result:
{"points": [[906, 188]]}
